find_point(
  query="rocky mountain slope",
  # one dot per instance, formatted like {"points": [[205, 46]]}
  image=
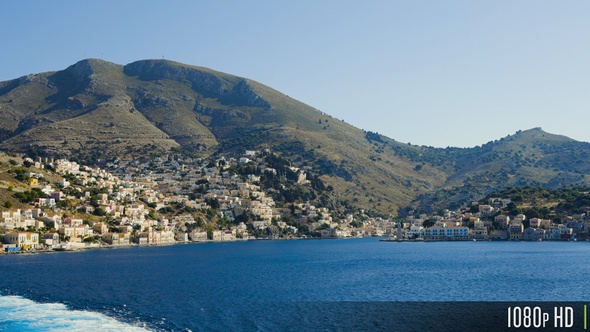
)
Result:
{"points": [[99, 110], [531, 158]]}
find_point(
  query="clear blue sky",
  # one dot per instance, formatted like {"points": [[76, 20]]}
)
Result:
{"points": [[438, 73]]}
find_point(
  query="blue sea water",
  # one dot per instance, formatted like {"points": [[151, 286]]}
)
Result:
{"points": [[274, 285]]}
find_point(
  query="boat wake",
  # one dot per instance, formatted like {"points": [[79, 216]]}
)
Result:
{"points": [[21, 314]]}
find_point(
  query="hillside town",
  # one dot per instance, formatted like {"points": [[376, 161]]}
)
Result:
{"points": [[167, 201], [488, 223], [180, 200]]}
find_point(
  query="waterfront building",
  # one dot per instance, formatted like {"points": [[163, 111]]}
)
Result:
{"points": [[446, 233], [415, 232], [23, 240], [51, 239], [480, 233], [457, 233], [533, 234], [561, 233], [498, 235], [116, 238], [516, 231]]}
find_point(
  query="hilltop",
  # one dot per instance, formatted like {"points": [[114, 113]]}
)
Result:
{"points": [[95, 110], [530, 158]]}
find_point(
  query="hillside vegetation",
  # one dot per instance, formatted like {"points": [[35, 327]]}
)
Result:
{"points": [[554, 204], [95, 110]]}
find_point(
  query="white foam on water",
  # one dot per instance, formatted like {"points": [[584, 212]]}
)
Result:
{"points": [[21, 314]]}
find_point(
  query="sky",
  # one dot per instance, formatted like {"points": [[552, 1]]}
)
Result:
{"points": [[435, 73]]}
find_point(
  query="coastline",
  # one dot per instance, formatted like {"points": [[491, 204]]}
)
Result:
{"points": [[135, 245]]}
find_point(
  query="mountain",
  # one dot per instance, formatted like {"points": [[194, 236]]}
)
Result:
{"points": [[531, 158], [99, 110]]}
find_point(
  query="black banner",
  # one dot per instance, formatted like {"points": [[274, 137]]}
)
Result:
{"points": [[424, 316]]}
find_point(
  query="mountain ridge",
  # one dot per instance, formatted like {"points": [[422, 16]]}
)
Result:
{"points": [[95, 109]]}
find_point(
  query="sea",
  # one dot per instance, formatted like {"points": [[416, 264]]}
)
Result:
{"points": [[291, 285]]}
